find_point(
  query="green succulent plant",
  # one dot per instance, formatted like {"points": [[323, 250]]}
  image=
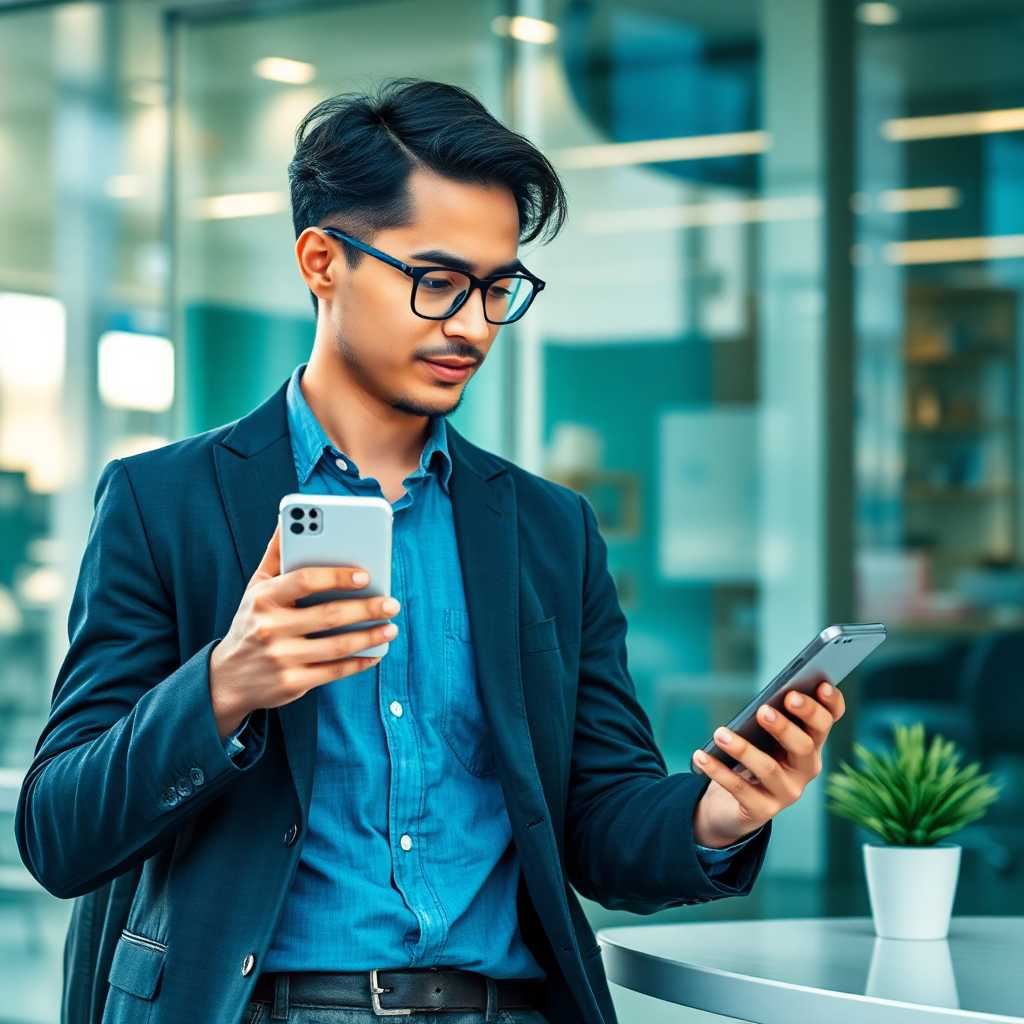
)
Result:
{"points": [[910, 796]]}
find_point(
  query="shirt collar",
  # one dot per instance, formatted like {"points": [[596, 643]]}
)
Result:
{"points": [[310, 440]]}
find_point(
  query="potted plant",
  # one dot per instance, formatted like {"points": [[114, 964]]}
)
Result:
{"points": [[912, 799]]}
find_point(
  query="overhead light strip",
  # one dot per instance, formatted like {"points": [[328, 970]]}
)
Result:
{"points": [[652, 151], [944, 126], [956, 250]]}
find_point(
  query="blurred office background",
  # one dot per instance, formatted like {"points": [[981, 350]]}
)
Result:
{"points": [[780, 347]]}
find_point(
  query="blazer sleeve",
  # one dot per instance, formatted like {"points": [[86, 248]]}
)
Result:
{"points": [[130, 749], [630, 842]]}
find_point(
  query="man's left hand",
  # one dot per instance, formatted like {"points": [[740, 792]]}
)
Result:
{"points": [[739, 802]]}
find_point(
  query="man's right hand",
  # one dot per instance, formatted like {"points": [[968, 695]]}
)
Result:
{"points": [[266, 660]]}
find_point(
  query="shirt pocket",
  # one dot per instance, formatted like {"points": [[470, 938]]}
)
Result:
{"points": [[463, 724]]}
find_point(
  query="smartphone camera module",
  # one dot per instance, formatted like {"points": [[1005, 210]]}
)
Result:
{"points": [[311, 515]]}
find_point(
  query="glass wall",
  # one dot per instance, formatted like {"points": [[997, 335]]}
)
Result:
{"points": [[939, 473], [778, 350]]}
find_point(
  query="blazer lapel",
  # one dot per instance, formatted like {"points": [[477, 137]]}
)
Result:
{"points": [[487, 530], [255, 469]]}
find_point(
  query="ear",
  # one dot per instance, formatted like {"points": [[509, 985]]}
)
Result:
{"points": [[320, 263]]}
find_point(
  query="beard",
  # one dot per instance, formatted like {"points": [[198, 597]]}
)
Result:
{"points": [[402, 403]]}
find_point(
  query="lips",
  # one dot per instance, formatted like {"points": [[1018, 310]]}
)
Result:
{"points": [[444, 371]]}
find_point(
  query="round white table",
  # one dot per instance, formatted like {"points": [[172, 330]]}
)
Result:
{"points": [[825, 969]]}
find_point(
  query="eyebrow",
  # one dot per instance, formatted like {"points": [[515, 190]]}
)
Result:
{"points": [[457, 263]]}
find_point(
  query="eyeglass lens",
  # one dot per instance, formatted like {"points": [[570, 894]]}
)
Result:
{"points": [[440, 292]]}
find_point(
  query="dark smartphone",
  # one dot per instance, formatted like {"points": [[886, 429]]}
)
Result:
{"points": [[830, 657]]}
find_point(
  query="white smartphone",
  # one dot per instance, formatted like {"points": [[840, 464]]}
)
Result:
{"points": [[831, 656], [328, 529]]}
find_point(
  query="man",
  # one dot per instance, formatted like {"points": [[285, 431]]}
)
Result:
{"points": [[258, 826]]}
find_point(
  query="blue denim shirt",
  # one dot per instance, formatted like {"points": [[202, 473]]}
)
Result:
{"points": [[408, 859]]}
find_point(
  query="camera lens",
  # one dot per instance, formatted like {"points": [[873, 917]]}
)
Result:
{"points": [[312, 527], [297, 527], [312, 513], [297, 513]]}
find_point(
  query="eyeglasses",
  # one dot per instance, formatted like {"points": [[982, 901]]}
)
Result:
{"points": [[439, 292]]}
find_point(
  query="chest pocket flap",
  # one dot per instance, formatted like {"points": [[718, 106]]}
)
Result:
{"points": [[137, 967], [536, 637]]}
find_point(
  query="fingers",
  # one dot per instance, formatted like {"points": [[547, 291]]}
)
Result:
{"points": [[300, 582], [833, 700], [772, 775], [303, 651], [816, 721], [755, 803], [329, 614], [318, 675]]}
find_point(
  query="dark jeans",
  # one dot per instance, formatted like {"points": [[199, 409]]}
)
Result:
{"points": [[303, 1013]]}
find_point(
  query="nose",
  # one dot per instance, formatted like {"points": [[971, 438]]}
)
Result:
{"points": [[468, 320]]}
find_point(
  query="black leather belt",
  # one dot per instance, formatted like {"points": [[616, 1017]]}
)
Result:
{"points": [[395, 993]]}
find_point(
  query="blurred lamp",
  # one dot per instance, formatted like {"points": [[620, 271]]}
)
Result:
{"points": [[136, 371], [877, 14], [282, 69], [524, 29]]}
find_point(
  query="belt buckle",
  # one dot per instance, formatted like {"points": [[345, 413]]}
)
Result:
{"points": [[375, 993]]}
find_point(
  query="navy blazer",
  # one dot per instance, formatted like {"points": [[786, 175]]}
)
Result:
{"points": [[180, 858]]}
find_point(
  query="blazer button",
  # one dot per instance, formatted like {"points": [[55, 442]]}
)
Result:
{"points": [[290, 835], [170, 796], [184, 786], [197, 776], [247, 964]]}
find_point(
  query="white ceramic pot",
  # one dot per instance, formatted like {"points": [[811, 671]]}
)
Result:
{"points": [[912, 888]]}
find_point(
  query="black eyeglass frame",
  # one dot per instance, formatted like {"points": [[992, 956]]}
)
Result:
{"points": [[417, 273]]}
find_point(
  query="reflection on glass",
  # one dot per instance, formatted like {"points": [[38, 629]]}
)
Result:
{"points": [[913, 972]]}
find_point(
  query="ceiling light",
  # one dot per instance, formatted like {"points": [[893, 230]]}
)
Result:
{"points": [[687, 147], [524, 29], [912, 200], [691, 215], [878, 14], [943, 126], [239, 204], [956, 250], [282, 69]]}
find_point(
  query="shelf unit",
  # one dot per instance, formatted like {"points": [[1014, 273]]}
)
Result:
{"points": [[960, 432]]}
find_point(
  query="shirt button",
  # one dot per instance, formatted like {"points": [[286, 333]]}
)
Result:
{"points": [[247, 964], [289, 836], [341, 464], [396, 709], [406, 843]]}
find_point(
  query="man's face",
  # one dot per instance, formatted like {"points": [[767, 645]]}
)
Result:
{"points": [[383, 344]]}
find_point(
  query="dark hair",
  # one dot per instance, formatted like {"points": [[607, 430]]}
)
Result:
{"points": [[354, 153]]}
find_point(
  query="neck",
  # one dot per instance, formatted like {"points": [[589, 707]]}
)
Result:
{"points": [[379, 438]]}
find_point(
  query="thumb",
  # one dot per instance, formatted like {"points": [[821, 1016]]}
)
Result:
{"points": [[270, 563]]}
